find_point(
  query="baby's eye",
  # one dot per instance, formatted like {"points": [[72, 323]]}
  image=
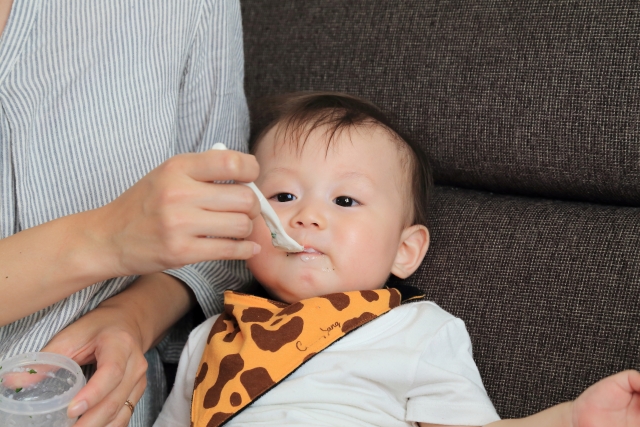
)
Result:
{"points": [[284, 197], [345, 201]]}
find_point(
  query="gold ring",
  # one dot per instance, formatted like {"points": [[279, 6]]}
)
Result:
{"points": [[129, 405]]}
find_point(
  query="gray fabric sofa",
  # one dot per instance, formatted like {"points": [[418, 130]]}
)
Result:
{"points": [[530, 112]]}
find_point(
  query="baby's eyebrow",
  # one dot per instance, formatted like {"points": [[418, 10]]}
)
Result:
{"points": [[355, 175], [345, 176], [277, 170]]}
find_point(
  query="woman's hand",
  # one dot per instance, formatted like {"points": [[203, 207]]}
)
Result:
{"points": [[115, 336], [163, 221], [104, 337], [611, 402]]}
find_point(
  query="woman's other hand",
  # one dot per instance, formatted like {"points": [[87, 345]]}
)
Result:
{"points": [[115, 336], [105, 338]]}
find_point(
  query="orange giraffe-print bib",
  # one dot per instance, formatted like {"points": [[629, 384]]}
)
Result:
{"points": [[257, 342]]}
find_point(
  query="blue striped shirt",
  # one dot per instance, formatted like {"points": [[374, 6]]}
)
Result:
{"points": [[95, 94]]}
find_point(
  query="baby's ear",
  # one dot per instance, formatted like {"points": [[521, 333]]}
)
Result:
{"points": [[414, 243]]}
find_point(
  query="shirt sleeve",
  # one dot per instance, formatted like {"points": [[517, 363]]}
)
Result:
{"points": [[447, 387], [176, 411], [212, 108]]}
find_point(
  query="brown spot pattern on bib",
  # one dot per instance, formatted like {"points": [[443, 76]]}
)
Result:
{"points": [[256, 314], [394, 301], [219, 326], [308, 356], [235, 399], [274, 340], [256, 381], [275, 322], [228, 309], [293, 308], [217, 419], [369, 295], [229, 368], [201, 375], [339, 301], [357, 321]]}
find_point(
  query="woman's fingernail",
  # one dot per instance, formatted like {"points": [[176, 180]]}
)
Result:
{"points": [[77, 409], [256, 248]]}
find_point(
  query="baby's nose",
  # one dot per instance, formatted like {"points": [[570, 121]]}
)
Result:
{"points": [[308, 217], [304, 224]]}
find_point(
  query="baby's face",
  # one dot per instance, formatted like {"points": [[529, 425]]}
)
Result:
{"points": [[345, 205]]}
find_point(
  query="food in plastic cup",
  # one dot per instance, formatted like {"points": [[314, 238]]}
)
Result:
{"points": [[36, 389]]}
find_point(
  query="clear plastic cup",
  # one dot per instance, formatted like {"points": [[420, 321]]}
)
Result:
{"points": [[36, 389]]}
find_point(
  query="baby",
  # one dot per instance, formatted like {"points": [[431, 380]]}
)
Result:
{"points": [[329, 343]]}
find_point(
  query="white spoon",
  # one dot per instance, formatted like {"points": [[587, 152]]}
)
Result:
{"points": [[279, 237]]}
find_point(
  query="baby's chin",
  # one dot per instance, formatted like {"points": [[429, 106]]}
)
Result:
{"points": [[291, 285], [296, 290], [281, 295]]}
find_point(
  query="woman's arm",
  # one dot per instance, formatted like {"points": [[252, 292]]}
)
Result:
{"points": [[115, 336], [159, 223], [47, 263]]}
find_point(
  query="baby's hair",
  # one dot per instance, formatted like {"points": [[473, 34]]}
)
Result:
{"points": [[299, 113]]}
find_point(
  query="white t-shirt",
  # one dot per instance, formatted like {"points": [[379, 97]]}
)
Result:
{"points": [[413, 364]]}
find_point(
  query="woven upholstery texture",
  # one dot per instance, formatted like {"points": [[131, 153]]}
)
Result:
{"points": [[522, 97], [549, 291], [530, 111]]}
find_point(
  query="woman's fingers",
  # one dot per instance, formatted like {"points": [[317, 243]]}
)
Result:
{"points": [[218, 224], [75, 342], [108, 376], [157, 223], [197, 236], [225, 249], [227, 198], [215, 165], [192, 250], [106, 399], [121, 373], [125, 414]]}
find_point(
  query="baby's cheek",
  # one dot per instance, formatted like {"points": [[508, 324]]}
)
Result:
{"points": [[258, 266], [262, 236], [260, 233], [371, 262]]}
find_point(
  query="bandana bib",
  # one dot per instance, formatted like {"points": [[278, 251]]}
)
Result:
{"points": [[256, 343]]}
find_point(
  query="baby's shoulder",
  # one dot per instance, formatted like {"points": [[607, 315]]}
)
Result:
{"points": [[418, 321], [425, 312], [425, 320]]}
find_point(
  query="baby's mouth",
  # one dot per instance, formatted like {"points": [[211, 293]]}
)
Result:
{"points": [[308, 254], [315, 258], [312, 251], [307, 250]]}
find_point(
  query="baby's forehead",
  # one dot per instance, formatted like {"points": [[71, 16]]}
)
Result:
{"points": [[284, 142], [299, 136]]}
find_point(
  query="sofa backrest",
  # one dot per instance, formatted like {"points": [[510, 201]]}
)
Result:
{"points": [[530, 112]]}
